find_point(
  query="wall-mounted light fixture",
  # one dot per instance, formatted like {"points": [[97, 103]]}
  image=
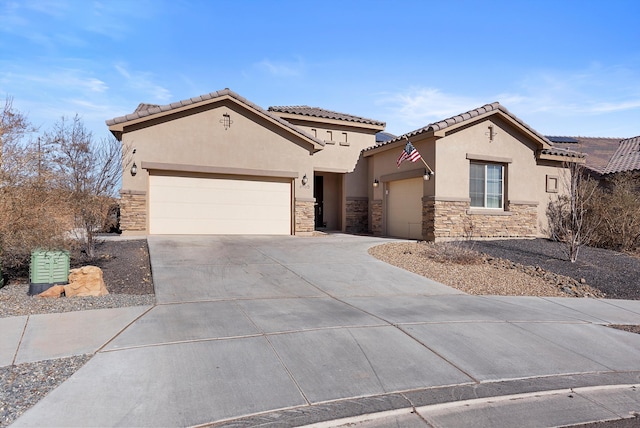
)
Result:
{"points": [[226, 121], [427, 175], [305, 180], [134, 169], [376, 183]]}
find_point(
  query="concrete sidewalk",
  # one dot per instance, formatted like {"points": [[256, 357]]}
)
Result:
{"points": [[285, 331]]}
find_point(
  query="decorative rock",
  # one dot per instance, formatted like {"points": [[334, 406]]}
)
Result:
{"points": [[85, 281], [52, 292]]}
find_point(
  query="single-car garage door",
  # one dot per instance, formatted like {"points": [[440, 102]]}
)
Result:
{"points": [[404, 208], [219, 206]]}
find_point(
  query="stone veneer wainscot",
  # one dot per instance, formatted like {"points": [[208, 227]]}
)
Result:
{"points": [[133, 210], [357, 213], [304, 215]]}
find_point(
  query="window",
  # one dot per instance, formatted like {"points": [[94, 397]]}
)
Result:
{"points": [[486, 185]]}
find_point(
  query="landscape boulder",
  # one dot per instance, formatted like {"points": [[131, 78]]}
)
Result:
{"points": [[85, 281], [52, 292]]}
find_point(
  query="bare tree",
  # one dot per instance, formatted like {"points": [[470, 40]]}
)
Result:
{"points": [[29, 201], [568, 217], [89, 171]]}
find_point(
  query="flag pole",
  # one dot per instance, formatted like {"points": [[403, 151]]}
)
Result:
{"points": [[423, 161], [425, 164]]}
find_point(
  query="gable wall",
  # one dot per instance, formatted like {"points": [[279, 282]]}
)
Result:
{"points": [[251, 142]]}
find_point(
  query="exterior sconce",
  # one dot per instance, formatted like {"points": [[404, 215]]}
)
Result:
{"points": [[305, 180], [376, 183], [427, 175], [134, 169], [226, 121]]}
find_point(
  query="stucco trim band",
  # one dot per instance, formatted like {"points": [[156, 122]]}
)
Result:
{"points": [[403, 175], [305, 199], [334, 170], [133, 192], [533, 203], [217, 170], [445, 199], [485, 158], [488, 212]]}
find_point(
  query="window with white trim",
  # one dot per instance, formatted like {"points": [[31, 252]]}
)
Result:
{"points": [[486, 185]]}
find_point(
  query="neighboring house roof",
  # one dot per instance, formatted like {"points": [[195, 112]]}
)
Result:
{"points": [[324, 114], [598, 150], [626, 157], [148, 110], [383, 137]]}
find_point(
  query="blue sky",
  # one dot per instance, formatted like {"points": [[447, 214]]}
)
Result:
{"points": [[564, 67]]}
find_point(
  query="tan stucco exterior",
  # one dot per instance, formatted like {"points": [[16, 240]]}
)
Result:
{"points": [[331, 161], [225, 137], [492, 138]]}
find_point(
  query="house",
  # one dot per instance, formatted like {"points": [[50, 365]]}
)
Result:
{"points": [[598, 150], [494, 177], [219, 164]]}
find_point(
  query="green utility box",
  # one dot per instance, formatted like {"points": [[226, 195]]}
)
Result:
{"points": [[48, 268]]}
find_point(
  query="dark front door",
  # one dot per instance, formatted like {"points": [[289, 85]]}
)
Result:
{"points": [[318, 185]]}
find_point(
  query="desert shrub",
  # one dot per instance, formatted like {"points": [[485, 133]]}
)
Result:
{"points": [[617, 209], [568, 215]]}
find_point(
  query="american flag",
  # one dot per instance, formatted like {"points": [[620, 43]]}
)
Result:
{"points": [[409, 152]]}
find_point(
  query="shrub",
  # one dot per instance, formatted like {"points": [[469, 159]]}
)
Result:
{"points": [[617, 208]]}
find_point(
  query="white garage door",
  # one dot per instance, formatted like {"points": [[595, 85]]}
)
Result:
{"points": [[404, 208], [219, 206]]}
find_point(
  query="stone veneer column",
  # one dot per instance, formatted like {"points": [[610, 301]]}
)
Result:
{"points": [[133, 211], [304, 216], [357, 211], [428, 218], [376, 217]]}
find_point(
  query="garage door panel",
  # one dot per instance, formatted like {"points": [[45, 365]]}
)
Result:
{"points": [[404, 208], [190, 205]]}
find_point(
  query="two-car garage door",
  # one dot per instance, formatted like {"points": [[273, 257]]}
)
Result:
{"points": [[211, 205]]}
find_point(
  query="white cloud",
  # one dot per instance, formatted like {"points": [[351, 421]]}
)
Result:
{"points": [[417, 107], [143, 82], [282, 69]]}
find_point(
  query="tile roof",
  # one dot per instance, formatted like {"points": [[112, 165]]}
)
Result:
{"points": [[598, 149], [325, 114], [463, 117], [143, 110], [626, 157]]}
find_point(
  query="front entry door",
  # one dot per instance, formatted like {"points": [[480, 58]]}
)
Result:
{"points": [[318, 191]]}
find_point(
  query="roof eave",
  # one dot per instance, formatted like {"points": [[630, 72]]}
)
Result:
{"points": [[324, 120], [561, 158]]}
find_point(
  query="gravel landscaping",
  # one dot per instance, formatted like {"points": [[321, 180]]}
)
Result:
{"points": [[521, 267]]}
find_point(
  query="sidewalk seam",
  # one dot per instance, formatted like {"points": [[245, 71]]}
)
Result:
{"points": [[24, 330]]}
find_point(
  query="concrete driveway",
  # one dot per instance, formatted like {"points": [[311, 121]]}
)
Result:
{"points": [[284, 331]]}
